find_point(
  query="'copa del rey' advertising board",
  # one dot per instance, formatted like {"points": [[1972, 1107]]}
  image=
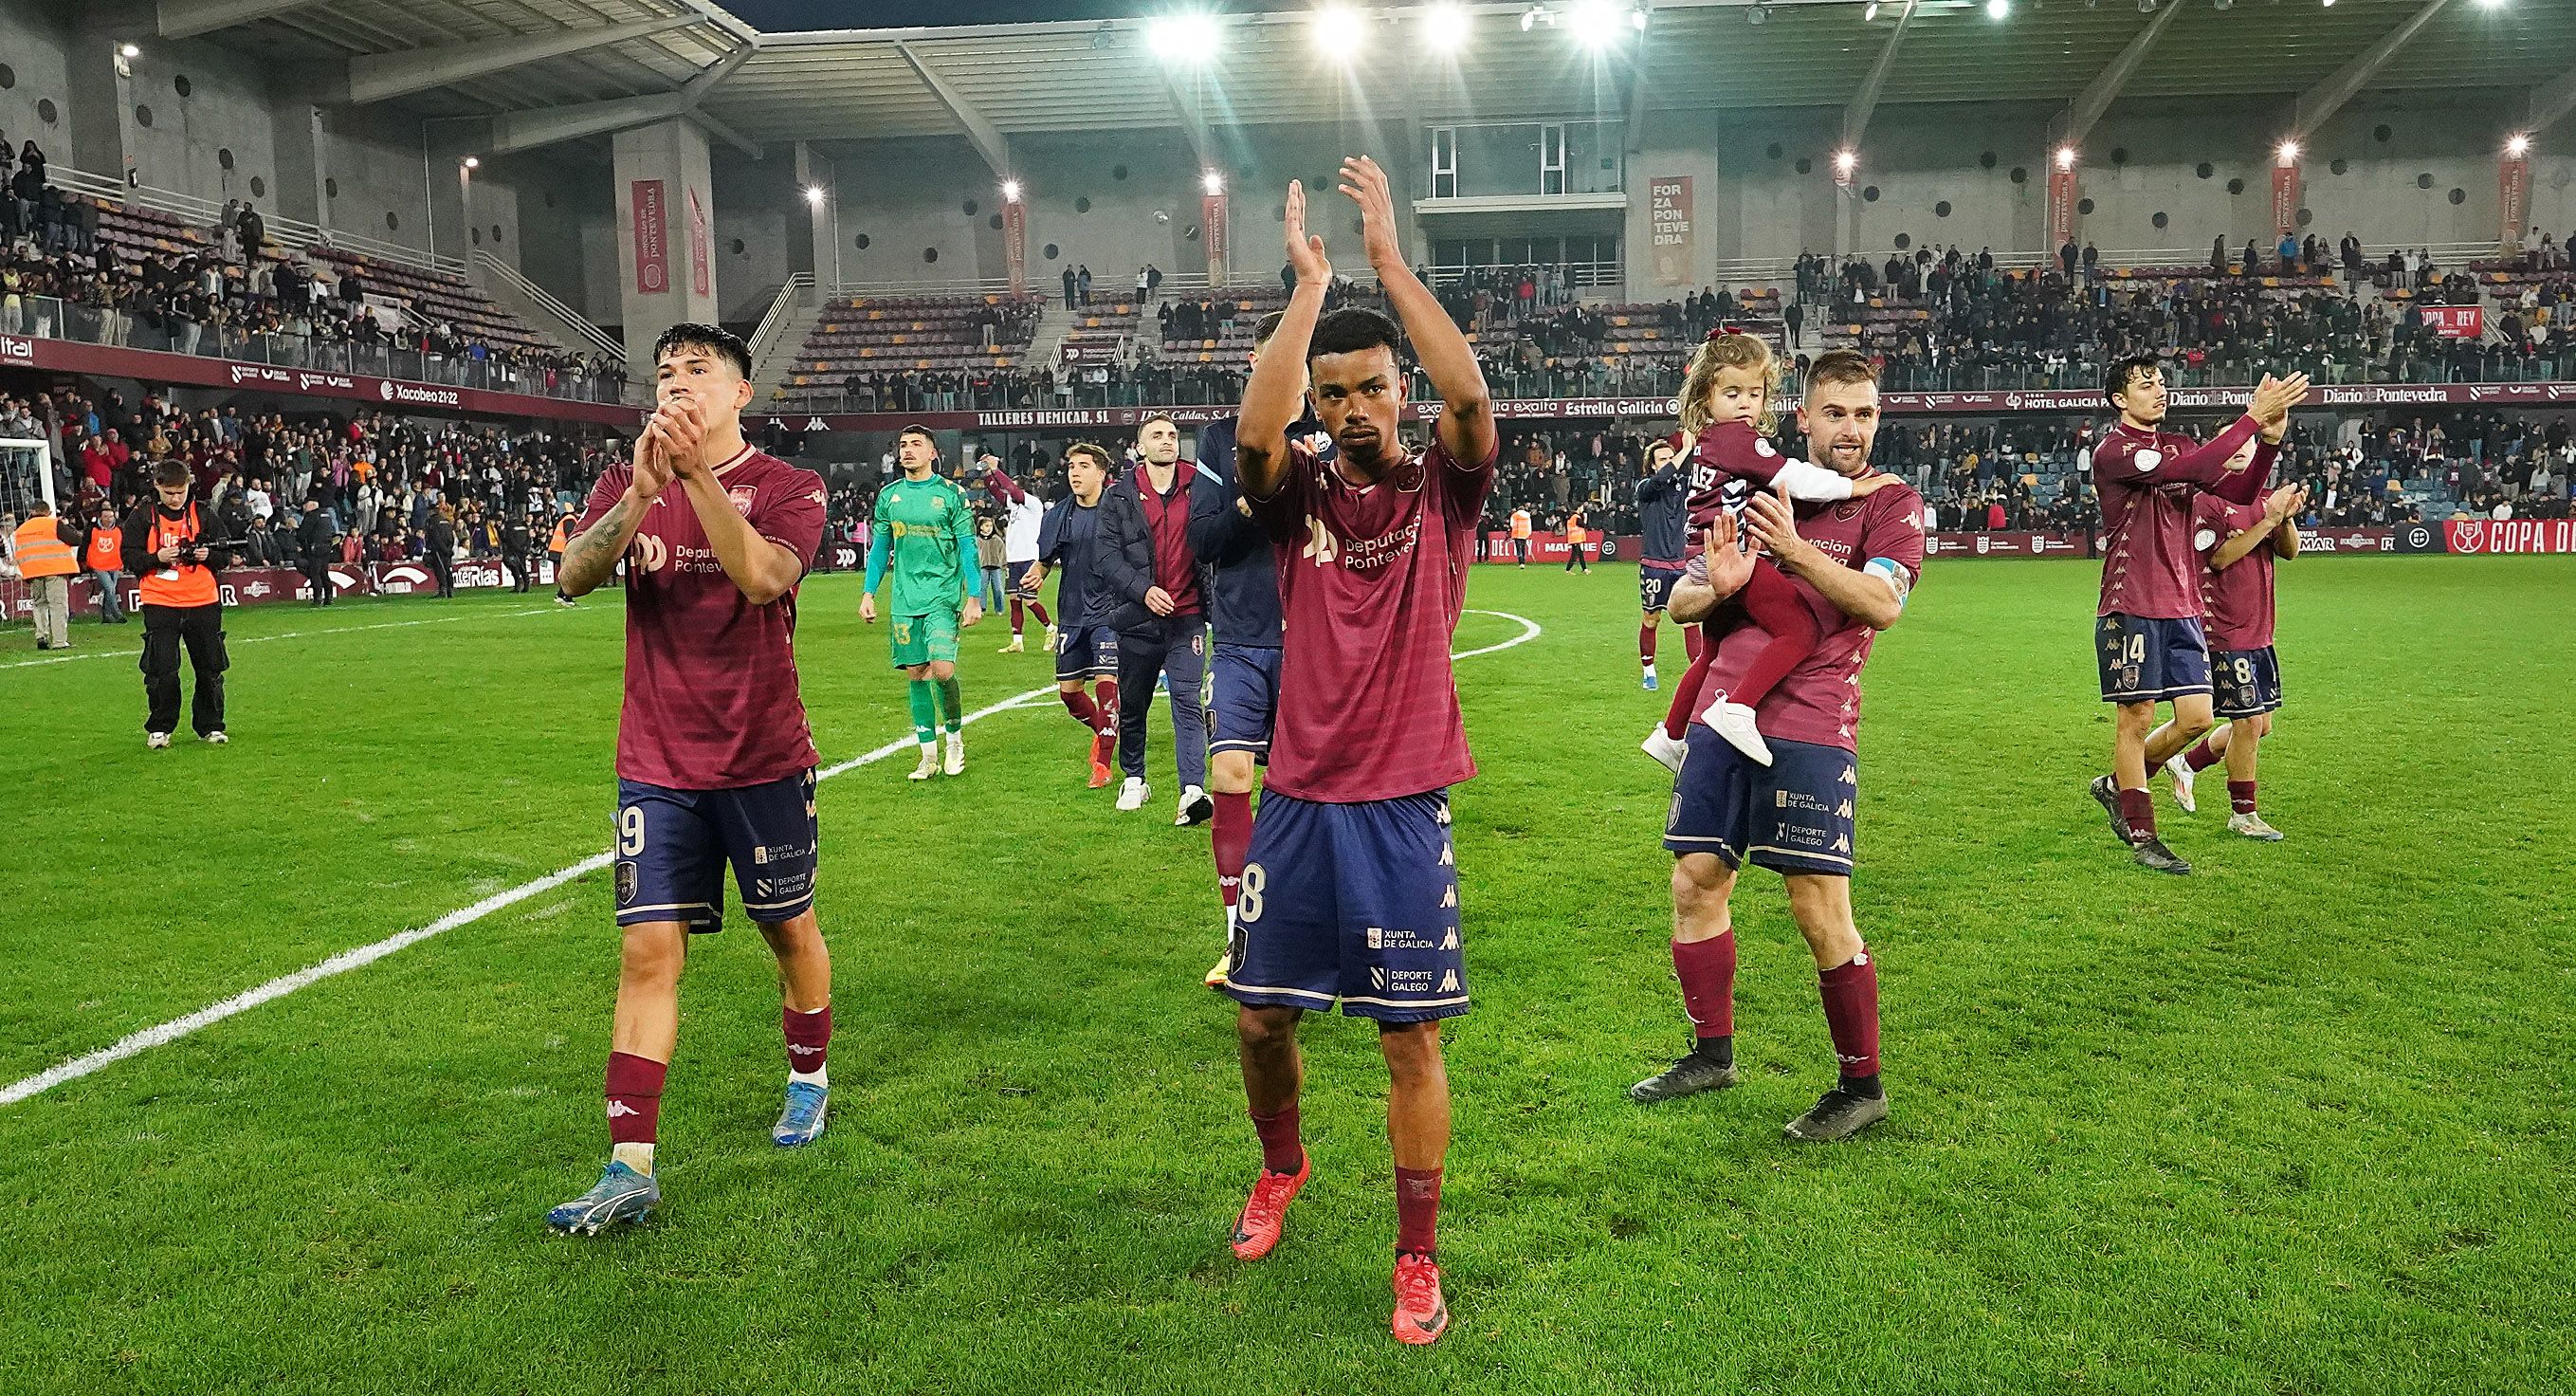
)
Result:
{"points": [[264, 586], [2510, 535]]}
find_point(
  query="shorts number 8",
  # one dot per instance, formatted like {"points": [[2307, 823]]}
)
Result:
{"points": [[1247, 902]]}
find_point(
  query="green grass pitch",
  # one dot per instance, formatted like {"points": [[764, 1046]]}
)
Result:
{"points": [[2296, 1124]]}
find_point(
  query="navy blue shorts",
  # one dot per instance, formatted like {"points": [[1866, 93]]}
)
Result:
{"points": [[1655, 586], [1017, 575], [2249, 682], [1792, 816], [1351, 902], [2146, 660], [1247, 699], [673, 845], [1085, 652]]}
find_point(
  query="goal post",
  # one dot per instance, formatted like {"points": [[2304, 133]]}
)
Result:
{"points": [[26, 476]]}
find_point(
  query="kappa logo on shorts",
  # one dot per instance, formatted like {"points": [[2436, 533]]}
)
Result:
{"points": [[1450, 941], [1449, 982], [1449, 896], [625, 883], [1446, 860], [1843, 810]]}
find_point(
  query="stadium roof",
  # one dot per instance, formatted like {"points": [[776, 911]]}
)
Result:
{"points": [[598, 64]]}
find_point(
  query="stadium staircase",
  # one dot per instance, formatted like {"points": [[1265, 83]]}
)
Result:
{"points": [[890, 333]]}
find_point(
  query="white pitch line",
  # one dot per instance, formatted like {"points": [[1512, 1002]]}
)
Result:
{"points": [[286, 635], [137, 1043]]}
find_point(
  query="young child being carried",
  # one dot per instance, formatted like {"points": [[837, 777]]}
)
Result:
{"points": [[1726, 417]]}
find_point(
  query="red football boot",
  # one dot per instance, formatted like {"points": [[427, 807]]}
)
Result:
{"points": [[1100, 760], [1420, 1314], [1257, 1230]]}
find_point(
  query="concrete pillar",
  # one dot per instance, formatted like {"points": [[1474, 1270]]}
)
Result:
{"points": [[296, 133], [101, 97], [814, 241], [665, 231]]}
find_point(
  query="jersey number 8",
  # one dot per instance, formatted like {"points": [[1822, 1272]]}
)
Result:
{"points": [[1247, 901]]}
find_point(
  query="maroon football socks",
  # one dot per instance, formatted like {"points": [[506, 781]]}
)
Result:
{"points": [[1417, 1211], [2200, 757], [1707, 971], [808, 1034], [2139, 808], [2240, 796], [1850, 992], [1232, 838], [1281, 1152], [634, 1098]]}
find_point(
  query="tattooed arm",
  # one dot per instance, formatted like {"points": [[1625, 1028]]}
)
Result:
{"points": [[590, 557]]}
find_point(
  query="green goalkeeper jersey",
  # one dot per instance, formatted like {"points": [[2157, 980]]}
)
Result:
{"points": [[925, 537]]}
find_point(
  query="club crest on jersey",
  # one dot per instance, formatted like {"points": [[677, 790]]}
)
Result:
{"points": [[742, 495], [2147, 458], [1848, 510]]}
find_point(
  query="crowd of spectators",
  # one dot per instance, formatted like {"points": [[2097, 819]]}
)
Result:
{"points": [[392, 487], [229, 299]]}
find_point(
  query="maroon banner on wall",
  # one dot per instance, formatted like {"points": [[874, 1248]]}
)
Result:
{"points": [[154, 366], [652, 237]]}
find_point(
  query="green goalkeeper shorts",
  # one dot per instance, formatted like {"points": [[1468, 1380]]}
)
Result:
{"points": [[925, 639]]}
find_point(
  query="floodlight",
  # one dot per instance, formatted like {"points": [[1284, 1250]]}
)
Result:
{"points": [[1444, 28], [1337, 30]]}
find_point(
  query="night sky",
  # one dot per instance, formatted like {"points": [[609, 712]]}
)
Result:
{"points": [[783, 15]]}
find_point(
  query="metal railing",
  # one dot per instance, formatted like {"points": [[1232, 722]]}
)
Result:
{"points": [[46, 317], [783, 307], [548, 302], [291, 233]]}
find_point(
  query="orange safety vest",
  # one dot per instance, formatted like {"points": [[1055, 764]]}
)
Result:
{"points": [[557, 545], [1574, 533], [41, 551], [106, 549], [1521, 523], [187, 584]]}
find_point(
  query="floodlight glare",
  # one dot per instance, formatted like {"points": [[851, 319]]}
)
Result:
{"points": [[128, 51], [1010, 191], [1444, 28], [1182, 38], [814, 195], [473, 162], [1337, 30], [2066, 157], [2519, 145], [2289, 151], [1212, 182], [1596, 23], [1998, 9]]}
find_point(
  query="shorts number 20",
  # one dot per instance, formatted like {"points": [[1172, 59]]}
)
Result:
{"points": [[1247, 902], [630, 831]]}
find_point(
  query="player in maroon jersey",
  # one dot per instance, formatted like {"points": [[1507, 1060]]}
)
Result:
{"points": [[715, 764], [1350, 887], [1854, 564], [2241, 541], [2148, 642]]}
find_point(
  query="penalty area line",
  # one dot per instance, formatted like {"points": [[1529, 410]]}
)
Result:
{"points": [[136, 1043]]}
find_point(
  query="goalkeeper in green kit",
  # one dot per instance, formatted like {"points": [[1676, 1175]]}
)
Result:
{"points": [[925, 537]]}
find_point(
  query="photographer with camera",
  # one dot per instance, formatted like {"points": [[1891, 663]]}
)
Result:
{"points": [[166, 546]]}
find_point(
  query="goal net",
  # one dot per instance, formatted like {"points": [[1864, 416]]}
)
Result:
{"points": [[26, 476]]}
